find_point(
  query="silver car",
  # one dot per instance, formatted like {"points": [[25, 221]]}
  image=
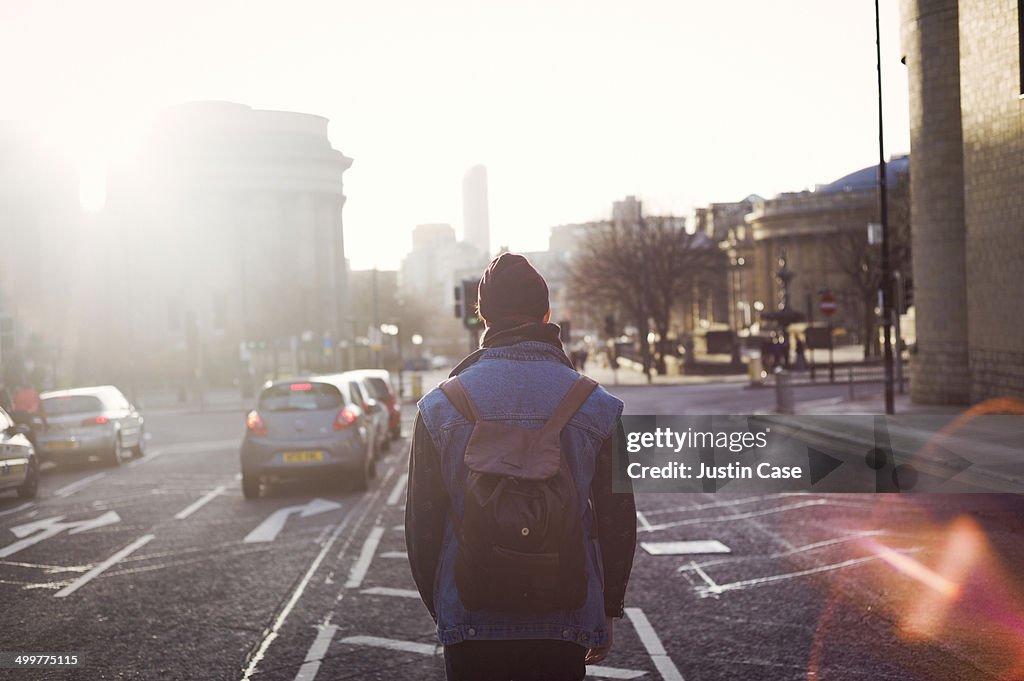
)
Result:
{"points": [[19, 468], [82, 423], [372, 392]]}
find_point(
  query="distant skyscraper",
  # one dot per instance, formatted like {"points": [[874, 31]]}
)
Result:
{"points": [[475, 215]]}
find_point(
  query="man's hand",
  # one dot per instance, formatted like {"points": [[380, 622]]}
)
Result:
{"points": [[595, 655]]}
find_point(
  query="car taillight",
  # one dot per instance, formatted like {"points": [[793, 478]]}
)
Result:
{"points": [[346, 417], [96, 421], [254, 423]]}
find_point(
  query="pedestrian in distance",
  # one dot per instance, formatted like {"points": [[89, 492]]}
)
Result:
{"points": [[519, 548]]}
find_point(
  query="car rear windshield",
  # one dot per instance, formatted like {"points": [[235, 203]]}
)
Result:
{"points": [[300, 397], [72, 404], [380, 388]]}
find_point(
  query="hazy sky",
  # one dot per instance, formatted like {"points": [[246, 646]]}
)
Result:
{"points": [[570, 105]]}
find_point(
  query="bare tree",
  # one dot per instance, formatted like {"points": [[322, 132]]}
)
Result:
{"points": [[861, 263], [643, 268]]}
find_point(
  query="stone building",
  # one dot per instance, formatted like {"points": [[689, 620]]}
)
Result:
{"points": [[966, 80], [227, 233], [824, 235]]}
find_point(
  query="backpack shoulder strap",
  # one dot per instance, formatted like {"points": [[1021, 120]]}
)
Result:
{"points": [[456, 393], [570, 404]]}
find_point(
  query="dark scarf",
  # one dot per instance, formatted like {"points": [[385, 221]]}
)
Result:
{"points": [[496, 337]]}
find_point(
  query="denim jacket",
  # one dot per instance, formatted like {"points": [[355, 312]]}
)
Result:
{"points": [[519, 384]]}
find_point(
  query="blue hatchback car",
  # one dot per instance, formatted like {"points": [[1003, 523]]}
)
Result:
{"points": [[307, 428]]}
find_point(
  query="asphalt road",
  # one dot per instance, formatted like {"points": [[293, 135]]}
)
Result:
{"points": [[159, 569]]}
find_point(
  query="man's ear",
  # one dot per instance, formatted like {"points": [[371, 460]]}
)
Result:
{"points": [[547, 316]]}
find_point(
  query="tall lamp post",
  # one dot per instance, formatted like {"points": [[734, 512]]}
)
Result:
{"points": [[884, 210]]}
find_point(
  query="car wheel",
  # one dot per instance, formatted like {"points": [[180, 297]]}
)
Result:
{"points": [[250, 485], [30, 487], [140, 449], [116, 453]]}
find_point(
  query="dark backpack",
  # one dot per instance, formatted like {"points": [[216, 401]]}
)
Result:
{"points": [[520, 545]]}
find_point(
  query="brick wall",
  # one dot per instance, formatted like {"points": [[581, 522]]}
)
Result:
{"points": [[993, 142]]}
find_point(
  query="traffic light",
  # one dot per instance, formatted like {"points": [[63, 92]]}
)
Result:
{"points": [[470, 317], [564, 332], [458, 302]]}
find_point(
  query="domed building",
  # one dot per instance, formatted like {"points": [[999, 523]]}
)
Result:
{"points": [[824, 237]]}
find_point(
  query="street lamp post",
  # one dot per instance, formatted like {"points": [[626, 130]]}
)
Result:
{"points": [[884, 210]]}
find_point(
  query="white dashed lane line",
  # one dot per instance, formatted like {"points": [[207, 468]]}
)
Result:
{"points": [[199, 503], [68, 490], [666, 667], [315, 655], [399, 488], [104, 566], [362, 565]]}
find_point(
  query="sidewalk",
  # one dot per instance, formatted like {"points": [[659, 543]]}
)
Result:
{"points": [[874, 404]]}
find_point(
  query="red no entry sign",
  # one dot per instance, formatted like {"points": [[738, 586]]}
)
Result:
{"points": [[828, 305]]}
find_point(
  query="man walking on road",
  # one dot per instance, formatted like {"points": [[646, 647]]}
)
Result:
{"points": [[519, 548]]}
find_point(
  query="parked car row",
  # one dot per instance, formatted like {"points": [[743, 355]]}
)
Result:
{"points": [[79, 425], [335, 425]]}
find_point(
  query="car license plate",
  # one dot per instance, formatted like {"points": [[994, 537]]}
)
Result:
{"points": [[308, 456], [62, 444]]}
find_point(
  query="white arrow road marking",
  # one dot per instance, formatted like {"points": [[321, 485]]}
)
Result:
{"points": [[311, 665], [428, 649], [68, 490], [199, 503], [678, 548], [395, 554], [39, 530], [666, 667], [362, 565], [102, 567], [388, 591], [272, 526], [396, 492]]}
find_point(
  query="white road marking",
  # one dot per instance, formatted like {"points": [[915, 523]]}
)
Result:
{"points": [[199, 503], [272, 526], [362, 564], [311, 665], [388, 591], [68, 490], [788, 552], [399, 488], [395, 554], [748, 583], [22, 507], [737, 516], [678, 548], [601, 671], [147, 457], [428, 649], [102, 567], [706, 577], [270, 635], [644, 523], [36, 531], [664, 664], [393, 644]]}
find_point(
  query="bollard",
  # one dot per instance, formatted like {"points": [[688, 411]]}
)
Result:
{"points": [[417, 387], [755, 370], [783, 392], [850, 370]]}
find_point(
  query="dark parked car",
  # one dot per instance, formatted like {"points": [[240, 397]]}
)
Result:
{"points": [[308, 428]]}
